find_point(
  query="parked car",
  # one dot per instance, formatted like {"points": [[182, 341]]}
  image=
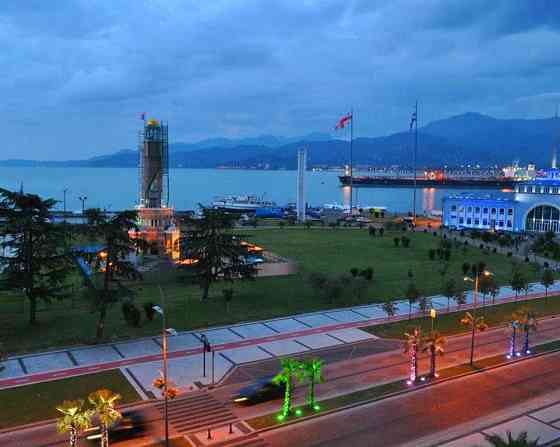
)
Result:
{"points": [[261, 391]]}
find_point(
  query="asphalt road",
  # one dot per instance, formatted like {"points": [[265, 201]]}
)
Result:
{"points": [[419, 414]]}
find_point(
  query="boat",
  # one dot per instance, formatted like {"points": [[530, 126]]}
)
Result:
{"points": [[242, 204], [422, 182]]}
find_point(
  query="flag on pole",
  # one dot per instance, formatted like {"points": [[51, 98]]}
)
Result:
{"points": [[142, 116], [342, 122], [412, 120]]}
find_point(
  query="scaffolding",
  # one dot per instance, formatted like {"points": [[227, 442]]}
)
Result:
{"points": [[153, 165]]}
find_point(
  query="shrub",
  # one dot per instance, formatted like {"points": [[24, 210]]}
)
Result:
{"points": [[526, 258], [396, 241], [434, 234], [432, 254], [131, 314], [149, 310], [354, 272], [405, 241], [367, 273], [447, 254], [509, 254]]}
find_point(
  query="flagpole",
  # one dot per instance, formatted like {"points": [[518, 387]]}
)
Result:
{"points": [[351, 160], [414, 162]]}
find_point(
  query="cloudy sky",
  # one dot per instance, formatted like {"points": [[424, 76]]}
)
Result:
{"points": [[75, 73]]}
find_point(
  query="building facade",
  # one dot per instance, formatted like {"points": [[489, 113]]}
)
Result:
{"points": [[534, 206]]}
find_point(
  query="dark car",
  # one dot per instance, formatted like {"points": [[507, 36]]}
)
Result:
{"points": [[131, 425], [262, 390]]}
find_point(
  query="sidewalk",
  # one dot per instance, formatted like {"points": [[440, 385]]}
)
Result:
{"points": [[233, 345]]}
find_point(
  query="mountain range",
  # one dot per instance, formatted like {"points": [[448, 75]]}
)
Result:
{"points": [[470, 138]]}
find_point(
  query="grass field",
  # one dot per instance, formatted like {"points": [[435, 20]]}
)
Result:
{"points": [[37, 402], [315, 250], [449, 324]]}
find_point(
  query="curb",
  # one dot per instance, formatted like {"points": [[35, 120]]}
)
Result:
{"points": [[405, 391]]}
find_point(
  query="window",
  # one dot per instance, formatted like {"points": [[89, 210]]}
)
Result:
{"points": [[453, 207], [501, 223], [502, 211], [485, 210], [469, 209], [543, 218], [484, 221], [510, 211], [477, 210], [469, 220], [509, 223], [477, 221], [493, 210], [461, 220]]}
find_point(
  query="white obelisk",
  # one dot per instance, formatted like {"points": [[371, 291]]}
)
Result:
{"points": [[302, 166]]}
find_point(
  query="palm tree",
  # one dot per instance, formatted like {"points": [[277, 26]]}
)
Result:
{"points": [[528, 322], [312, 370], [434, 344], [290, 368], [476, 324], [412, 344], [513, 325], [510, 441], [74, 419], [103, 402]]}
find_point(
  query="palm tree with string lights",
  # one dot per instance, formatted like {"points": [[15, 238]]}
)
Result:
{"points": [[434, 344], [528, 324], [103, 402], [75, 418], [290, 369], [312, 370], [412, 344]]}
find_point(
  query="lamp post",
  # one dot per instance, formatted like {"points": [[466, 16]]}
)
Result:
{"points": [[433, 316], [83, 200], [165, 332], [64, 191]]}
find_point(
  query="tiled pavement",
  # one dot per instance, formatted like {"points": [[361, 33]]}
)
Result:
{"points": [[543, 424], [237, 344]]}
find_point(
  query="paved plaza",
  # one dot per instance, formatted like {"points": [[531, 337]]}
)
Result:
{"points": [[233, 345]]}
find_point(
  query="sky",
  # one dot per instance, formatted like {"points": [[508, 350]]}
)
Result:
{"points": [[76, 73]]}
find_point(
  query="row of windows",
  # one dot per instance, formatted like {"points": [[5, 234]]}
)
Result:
{"points": [[485, 222], [538, 189], [477, 209]]}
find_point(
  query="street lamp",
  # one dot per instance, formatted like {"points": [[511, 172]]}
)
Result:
{"points": [[165, 332], [433, 316], [83, 200]]}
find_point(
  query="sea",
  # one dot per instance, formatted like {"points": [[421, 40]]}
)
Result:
{"points": [[117, 188]]}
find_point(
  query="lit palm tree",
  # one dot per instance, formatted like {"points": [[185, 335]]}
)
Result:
{"points": [[74, 419], [528, 322], [103, 402], [312, 370], [520, 441], [412, 344], [476, 324], [434, 344], [290, 368], [512, 328]]}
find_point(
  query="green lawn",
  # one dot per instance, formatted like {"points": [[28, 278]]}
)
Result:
{"points": [[37, 402], [448, 324], [316, 250]]}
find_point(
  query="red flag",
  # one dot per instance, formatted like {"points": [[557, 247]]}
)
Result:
{"points": [[342, 123]]}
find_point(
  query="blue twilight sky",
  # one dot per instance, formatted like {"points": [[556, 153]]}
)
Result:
{"points": [[75, 73]]}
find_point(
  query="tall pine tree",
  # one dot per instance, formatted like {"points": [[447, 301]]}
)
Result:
{"points": [[34, 255]]}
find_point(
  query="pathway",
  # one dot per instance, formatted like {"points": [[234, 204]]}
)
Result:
{"points": [[233, 345]]}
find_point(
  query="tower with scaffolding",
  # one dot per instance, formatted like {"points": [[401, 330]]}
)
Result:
{"points": [[156, 217]]}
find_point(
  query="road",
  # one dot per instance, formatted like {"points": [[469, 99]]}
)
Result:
{"points": [[415, 415], [349, 370]]}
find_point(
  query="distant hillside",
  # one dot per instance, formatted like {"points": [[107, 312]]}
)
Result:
{"points": [[468, 138]]}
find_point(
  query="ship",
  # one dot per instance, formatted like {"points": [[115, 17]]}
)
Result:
{"points": [[431, 180], [242, 204]]}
